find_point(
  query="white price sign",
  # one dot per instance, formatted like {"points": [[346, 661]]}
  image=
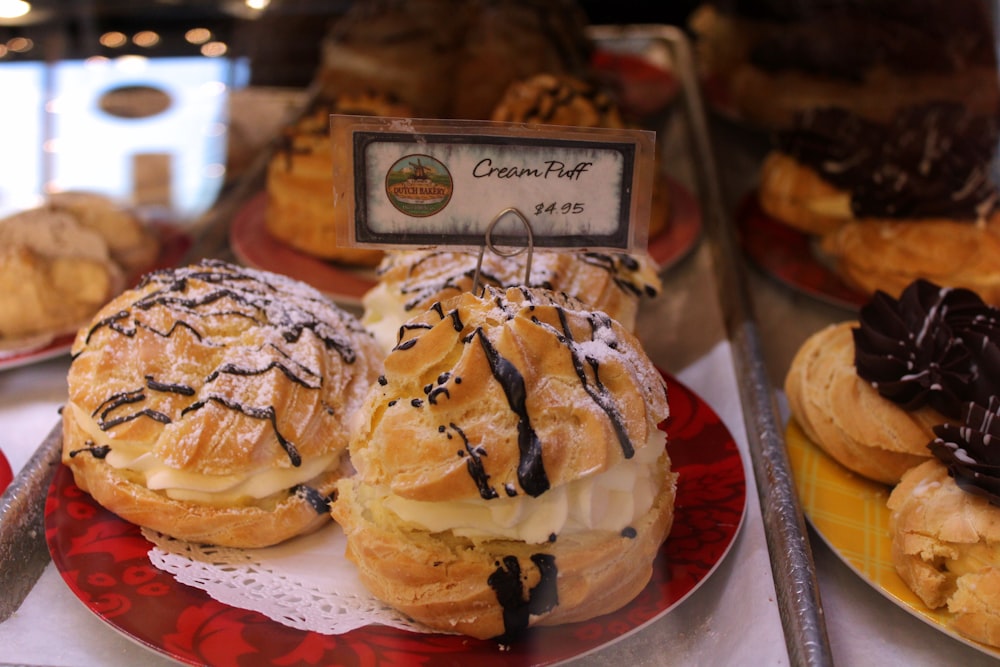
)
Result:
{"points": [[417, 182]]}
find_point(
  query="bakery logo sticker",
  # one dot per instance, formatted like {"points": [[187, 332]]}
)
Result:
{"points": [[419, 185]]}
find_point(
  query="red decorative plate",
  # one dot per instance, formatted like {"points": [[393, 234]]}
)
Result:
{"points": [[641, 87], [790, 256], [174, 242], [254, 247], [103, 560], [6, 474]]}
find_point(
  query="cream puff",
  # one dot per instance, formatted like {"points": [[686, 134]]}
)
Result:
{"points": [[211, 403], [945, 524], [511, 471], [870, 392], [410, 281]]}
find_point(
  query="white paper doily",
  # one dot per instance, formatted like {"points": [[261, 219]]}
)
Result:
{"points": [[305, 583]]}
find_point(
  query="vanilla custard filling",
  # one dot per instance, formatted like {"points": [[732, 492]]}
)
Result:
{"points": [[384, 313], [209, 489], [611, 500]]}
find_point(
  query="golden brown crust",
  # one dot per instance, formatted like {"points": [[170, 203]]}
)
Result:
{"points": [[54, 275], [131, 243], [444, 581], [409, 282], [847, 418], [302, 211], [507, 400], [796, 195], [944, 546], [888, 255], [213, 390], [576, 372]]}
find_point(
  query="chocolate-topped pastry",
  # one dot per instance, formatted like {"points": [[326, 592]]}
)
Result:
{"points": [[411, 281], [452, 58], [931, 161], [945, 524], [936, 346], [768, 60], [562, 99], [302, 211], [212, 402], [557, 100], [969, 450], [511, 463], [870, 392], [893, 202]]}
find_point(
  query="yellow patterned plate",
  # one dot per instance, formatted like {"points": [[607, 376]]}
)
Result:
{"points": [[849, 514]]}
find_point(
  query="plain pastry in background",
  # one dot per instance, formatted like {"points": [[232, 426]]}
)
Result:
{"points": [[54, 275]]}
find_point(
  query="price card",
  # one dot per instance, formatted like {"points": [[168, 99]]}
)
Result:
{"points": [[429, 182]]}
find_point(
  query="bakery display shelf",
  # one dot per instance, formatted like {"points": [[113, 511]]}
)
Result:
{"points": [[716, 263], [792, 564]]}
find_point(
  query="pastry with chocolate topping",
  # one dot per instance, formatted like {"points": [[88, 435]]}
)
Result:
{"points": [[913, 198], [945, 524], [764, 61], [511, 470], [302, 211], [211, 403], [870, 392], [930, 163], [549, 99], [410, 281]]}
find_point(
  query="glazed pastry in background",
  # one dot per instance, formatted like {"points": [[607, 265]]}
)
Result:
{"points": [[510, 468], [870, 392], [452, 58], [131, 243], [301, 209], [945, 524], [552, 99], [887, 255], [211, 403], [411, 281], [767, 60], [54, 275]]}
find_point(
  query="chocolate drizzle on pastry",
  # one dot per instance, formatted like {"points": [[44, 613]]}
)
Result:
{"points": [[932, 161], [197, 298], [508, 584], [971, 451], [934, 346]]}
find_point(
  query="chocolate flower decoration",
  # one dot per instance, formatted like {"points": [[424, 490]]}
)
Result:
{"points": [[972, 452], [934, 346]]}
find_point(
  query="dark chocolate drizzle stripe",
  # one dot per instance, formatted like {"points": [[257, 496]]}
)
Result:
{"points": [[599, 394], [319, 502], [474, 464], [507, 583], [267, 413], [530, 468]]}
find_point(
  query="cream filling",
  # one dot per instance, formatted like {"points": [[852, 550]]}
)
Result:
{"points": [[201, 488], [834, 206], [611, 500], [973, 559], [384, 313]]}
